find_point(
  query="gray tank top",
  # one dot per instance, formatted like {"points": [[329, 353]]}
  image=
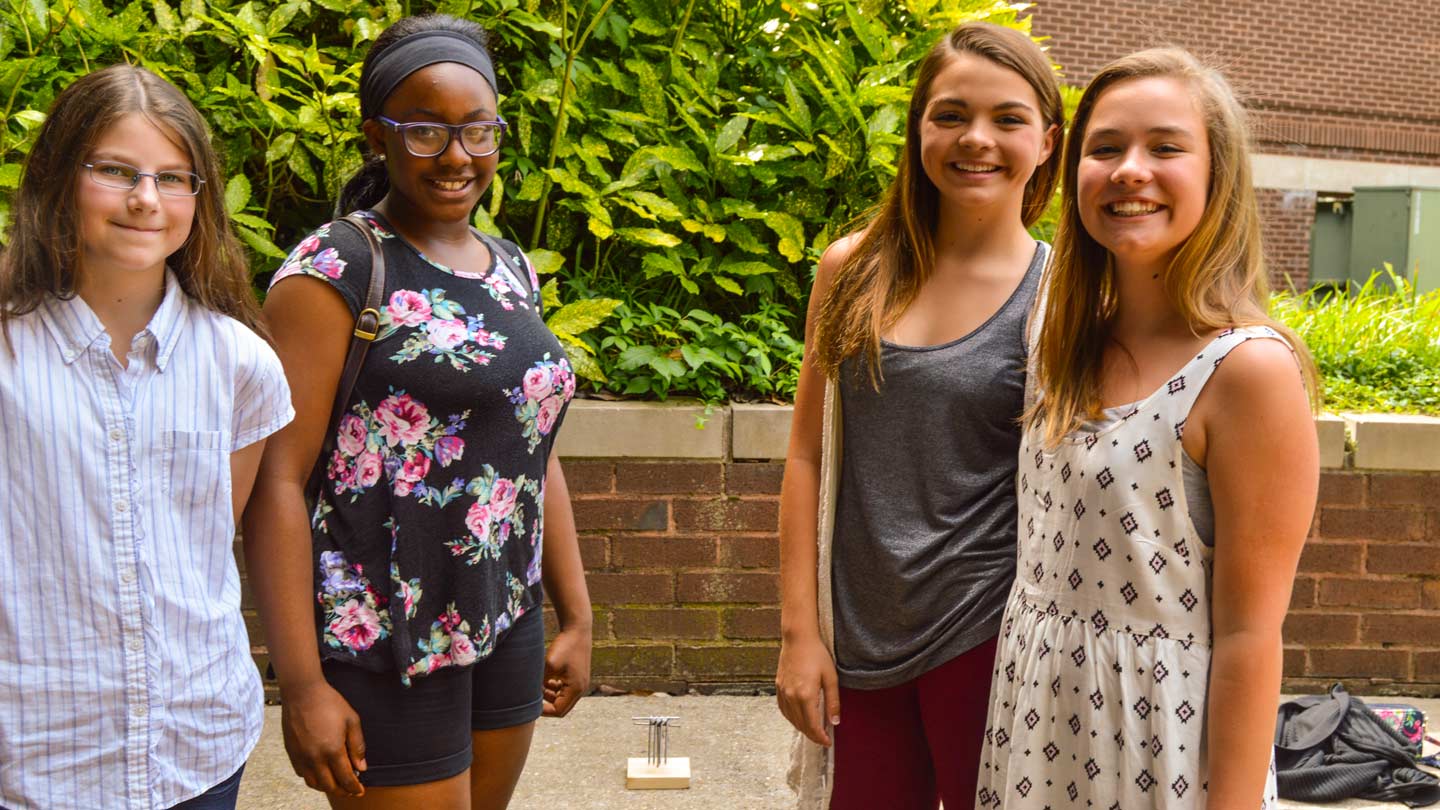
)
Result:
{"points": [[924, 544]]}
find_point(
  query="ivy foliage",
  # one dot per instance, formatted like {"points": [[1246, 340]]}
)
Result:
{"points": [[685, 161]]}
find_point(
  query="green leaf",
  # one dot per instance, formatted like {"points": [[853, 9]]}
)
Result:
{"points": [[581, 362], [367, 30], [252, 221], [648, 236], [550, 292], [797, 108], [731, 133], [537, 24], [578, 317], [747, 268], [30, 119], [727, 284], [641, 356], [497, 195], [531, 187], [484, 223], [10, 175], [39, 11], [237, 194], [259, 244], [677, 157], [545, 262], [280, 147], [165, 17], [299, 163], [791, 233]]}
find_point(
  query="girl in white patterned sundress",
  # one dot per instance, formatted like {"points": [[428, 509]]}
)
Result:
{"points": [[1140, 656]]}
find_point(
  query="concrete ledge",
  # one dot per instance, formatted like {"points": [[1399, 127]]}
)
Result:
{"points": [[1394, 441], [667, 430], [760, 431], [1330, 429], [598, 429]]}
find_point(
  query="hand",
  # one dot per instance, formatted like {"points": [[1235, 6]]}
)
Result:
{"points": [[323, 739], [806, 674], [567, 670]]}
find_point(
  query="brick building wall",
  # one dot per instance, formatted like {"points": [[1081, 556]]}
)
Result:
{"points": [[682, 562], [1334, 80]]}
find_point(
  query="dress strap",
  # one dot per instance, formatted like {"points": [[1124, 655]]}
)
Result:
{"points": [[1178, 395]]}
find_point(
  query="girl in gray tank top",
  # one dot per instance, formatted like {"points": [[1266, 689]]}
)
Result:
{"points": [[906, 434]]}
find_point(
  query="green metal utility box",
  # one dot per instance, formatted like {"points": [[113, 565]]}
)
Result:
{"points": [[1330, 240], [1399, 225]]}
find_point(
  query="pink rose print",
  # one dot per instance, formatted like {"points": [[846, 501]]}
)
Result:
{"points": [[415, 469], [478, 520], [502, 498], [367, 469], [549, 412], [537, 383], [336, 472], [356, 625], [569, 384], [446, 334], [403, 488], [351, 435], [307, 246], [449, 449], [408, 308], [462, 650], [328, 262], [402, 419]]}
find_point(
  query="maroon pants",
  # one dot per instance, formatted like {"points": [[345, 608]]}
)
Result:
{"points": [[911, 746]]}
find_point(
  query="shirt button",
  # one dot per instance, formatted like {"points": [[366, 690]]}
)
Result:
{"points": [[121, 505], [127, 576], [139, 710], [136, 645], [116, 435]]}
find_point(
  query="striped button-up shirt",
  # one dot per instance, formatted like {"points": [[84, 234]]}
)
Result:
{"points": [[125, 671]]}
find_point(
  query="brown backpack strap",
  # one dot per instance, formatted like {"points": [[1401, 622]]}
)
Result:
{"points": [[367, 326]]}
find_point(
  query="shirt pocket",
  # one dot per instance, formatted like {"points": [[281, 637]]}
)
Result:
{"points": [[195, 467]]}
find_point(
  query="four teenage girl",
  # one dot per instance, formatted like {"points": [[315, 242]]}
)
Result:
{"points": [[1161, 497]]}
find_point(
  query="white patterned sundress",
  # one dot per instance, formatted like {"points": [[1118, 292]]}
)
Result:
{"points": [[1099, 690]]}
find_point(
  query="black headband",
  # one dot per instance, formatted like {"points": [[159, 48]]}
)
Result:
{"points": [[419, 50]]}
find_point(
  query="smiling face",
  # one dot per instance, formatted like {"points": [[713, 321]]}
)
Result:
{"points": [[1144, 170], [446, 187], [132, 231], [982, 134]]}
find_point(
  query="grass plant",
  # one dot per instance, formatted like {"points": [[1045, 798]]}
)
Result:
{"points": [[1377, 345]]}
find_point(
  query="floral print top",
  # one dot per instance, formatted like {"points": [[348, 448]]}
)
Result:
{"points": [[429, 527]]}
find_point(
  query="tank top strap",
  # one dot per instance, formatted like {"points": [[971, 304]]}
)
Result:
{"points": [[1175, 399]]}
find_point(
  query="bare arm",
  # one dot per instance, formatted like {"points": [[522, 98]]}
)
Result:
{"points": [[567, 657], [1263, 462], [806, 672], [244, 463], [311, 327]]}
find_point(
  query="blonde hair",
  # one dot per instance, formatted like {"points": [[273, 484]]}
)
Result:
{"points": [[1216, 280], [894, 253]]}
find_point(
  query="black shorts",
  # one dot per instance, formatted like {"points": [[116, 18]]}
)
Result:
{"points": [[421, 733]]}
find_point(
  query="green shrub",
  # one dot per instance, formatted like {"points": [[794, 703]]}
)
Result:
{"points": [[1377, 347], [680, 156]]}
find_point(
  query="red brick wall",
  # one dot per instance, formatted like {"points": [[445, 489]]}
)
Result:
{"points": [[1366, 606], [1286, 218], [682, 561], [1328, 78], [683, 564]]}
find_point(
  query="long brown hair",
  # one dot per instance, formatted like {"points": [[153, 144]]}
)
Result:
{"points": [[1216, 280], [895, 251], [41, 258]]}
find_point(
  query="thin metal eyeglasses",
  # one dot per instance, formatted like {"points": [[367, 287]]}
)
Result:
{"points": [[173, 183], [427, 139]]}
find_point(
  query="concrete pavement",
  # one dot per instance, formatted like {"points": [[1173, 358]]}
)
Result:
{"points": [[738, 748]]}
